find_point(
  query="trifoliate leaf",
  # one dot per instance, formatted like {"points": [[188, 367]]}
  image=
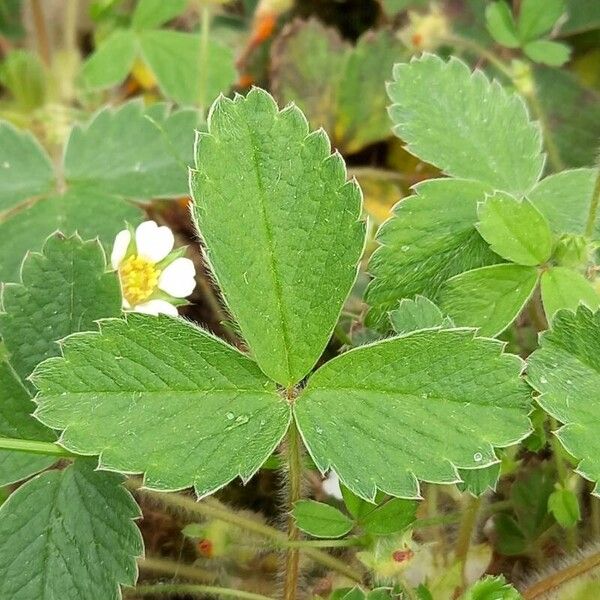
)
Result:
{"points": [[501, 25], [464, 124], [321, 520], [111, 62], [82, 209], [565, 288], [25, 168], [548, 52], [285, 283], [430, 238], [491, 588], [420, 313], [537, 17], [69, 534], [412, 408], [516, 230], [16, 422], [564, 506], [188, 410], [188, 71], [154, 13], [479, 481], [128, 152], [489, 298], [564, 199], [566, 373], [64, 289]]}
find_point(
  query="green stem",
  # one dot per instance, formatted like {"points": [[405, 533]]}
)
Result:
{"points": [[294, 475], [465, 533], [35, 447], [164, 566], [194, 590], [348, 542], [593, 210]]}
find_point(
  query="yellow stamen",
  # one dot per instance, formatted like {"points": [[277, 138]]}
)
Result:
{"points": [[139, 278]]}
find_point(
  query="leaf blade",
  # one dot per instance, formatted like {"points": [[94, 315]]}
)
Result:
{"points": [[321, 520]]}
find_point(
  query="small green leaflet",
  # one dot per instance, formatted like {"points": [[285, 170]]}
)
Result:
{"points": [[565, 288], [566, 372], [501, 25], [564, 506], [188, 411], [285, 284], [464, 124], [516, 230], [410, 396], [548, 52], [491, 588], [420, 313], [430, 237], [69, 534], [537, 17], [154, 13], [321, 520], [479, 481], [489, 298]]}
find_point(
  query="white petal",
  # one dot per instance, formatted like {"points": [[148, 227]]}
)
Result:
{"points": [[178, 279], [156, 307], [153, 242], [120, 246], [331, 486]]}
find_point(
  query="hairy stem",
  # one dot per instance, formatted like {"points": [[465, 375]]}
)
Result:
{"points": [[41, 33], [562, 576], [593, 210], [161, 589], [164, 566], [294, 465], [465, 533], [35, 447], [473, 46]]}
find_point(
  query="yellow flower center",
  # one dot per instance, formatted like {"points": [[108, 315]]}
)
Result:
{"points": [[139, 278]]}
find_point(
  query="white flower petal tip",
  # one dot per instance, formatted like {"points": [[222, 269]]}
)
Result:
{"points": [[156, 307], [179, 278], [122, 241], [153, 242], [331, 486]]}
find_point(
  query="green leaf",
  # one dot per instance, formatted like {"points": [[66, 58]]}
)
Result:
{"points": [[491, 588], [478, 481], [176, 59], [464, 124], [64, 289], [537, 17], [489, 298], [23, 74], [565, 288], [516, 230], [321, 520], [111, 62], [386, 415], [182, 411], [501, 25], [392, 516], [128, 151], [547, 52], [564, 506], [564, 199], [430, 238], [566, 373], [82, 209], [69, 534], [286, 283], [420, 313], [16, 422], [154, 13], [25, 168]]}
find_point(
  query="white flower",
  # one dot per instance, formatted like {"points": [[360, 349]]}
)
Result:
{"points": [[153, 278]]}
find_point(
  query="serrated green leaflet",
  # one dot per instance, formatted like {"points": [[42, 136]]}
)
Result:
{"points": [[64, 289], [566, 373], [420, 313], [154, 13], [16, 422], [501, 25], [25, 168], [430, 238], [285, 283], [69, 534], [564, 199], [489, 298], [491, 588], [565, 288], [516, 230], [190, 410], [412, 408], [392, 516], [321, 520], [479, 481], [464, 124]]}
